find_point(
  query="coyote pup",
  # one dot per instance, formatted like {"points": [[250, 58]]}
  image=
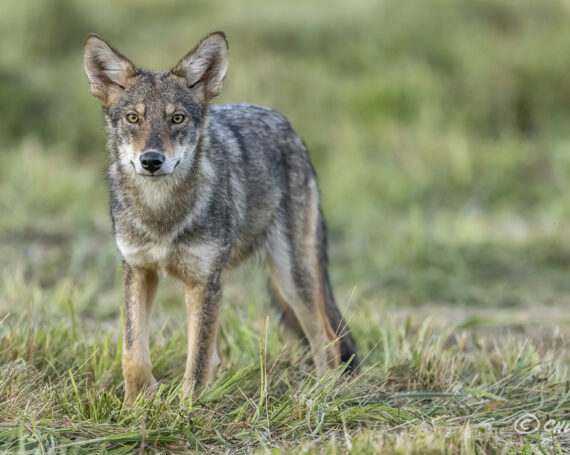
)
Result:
{"points": [[195, 190]]}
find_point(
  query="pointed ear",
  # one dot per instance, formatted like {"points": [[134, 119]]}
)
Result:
{"points": [[107, 69], [204, 67]]}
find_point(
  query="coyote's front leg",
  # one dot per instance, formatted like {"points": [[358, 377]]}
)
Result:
{"points": [[203, 309], [140, 288]]}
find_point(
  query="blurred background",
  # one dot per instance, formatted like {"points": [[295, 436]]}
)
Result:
{"points": [[439, 130]]}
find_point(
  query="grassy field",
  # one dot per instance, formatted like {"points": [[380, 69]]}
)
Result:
{"points": [[439, 130]]}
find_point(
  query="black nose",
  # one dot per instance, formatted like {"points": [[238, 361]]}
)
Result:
{"points": [[151, 161]]}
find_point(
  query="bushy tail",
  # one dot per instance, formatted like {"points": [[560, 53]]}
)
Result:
{"points": [[337, 322]]}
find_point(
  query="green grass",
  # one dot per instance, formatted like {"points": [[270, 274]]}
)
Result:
{"points": [[439, 133], [451, 386]]}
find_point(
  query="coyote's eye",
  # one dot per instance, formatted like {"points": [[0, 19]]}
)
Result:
{"points": [[177, 118], [132, 117]]}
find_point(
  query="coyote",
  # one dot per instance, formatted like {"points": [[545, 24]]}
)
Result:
{"points": [[197, 189]]}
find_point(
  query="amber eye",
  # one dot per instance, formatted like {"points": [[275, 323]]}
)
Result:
{"points": [[177, 118], [132, 117]]}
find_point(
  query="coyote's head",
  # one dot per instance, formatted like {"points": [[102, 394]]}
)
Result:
{"points": [[154, 118]]}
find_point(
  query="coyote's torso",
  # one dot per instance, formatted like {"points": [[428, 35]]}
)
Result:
{"points": [[226, 206]]}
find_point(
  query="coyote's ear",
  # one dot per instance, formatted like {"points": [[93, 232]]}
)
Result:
{"points": [[107, 69], [204, 67]]}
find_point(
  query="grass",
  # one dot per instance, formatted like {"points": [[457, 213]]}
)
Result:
{"points": [[455, 387], [439, 133], [452, 386]]}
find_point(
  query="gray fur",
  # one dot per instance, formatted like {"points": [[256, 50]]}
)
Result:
{"points": [[240, 185]]}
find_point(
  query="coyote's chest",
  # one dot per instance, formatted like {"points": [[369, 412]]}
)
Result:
{"points": [[195, 260]]}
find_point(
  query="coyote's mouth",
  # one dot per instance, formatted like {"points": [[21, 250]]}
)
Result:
{"points": [[154, 176]]}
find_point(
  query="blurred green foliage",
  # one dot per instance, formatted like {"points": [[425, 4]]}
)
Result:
{"points": [[439, 128], [491, 67]]}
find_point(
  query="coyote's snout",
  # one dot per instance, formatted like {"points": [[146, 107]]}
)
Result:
{"points": [[151, 162], [196, 190]]}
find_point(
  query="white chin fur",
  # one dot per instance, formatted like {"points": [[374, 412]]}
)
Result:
{"points": [[155, 189]]}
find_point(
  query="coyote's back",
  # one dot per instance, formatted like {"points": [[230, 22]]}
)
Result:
{"points": [[198, 189]]}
